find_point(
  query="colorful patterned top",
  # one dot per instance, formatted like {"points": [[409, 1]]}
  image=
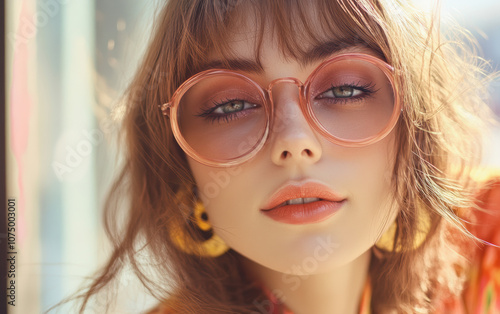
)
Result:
{"points": [[482, 292]]}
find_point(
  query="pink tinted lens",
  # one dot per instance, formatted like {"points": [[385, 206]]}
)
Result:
{"points": [[222, 117], [352, 99]]}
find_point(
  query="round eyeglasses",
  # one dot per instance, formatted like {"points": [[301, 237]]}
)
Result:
{"points": [[223, 118]]}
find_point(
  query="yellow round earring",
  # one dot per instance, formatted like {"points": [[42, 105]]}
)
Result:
{"points": [[389, 243], [212, 247]]}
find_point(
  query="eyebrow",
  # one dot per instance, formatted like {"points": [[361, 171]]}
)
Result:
{"points": [[315, 53], [246, 65]]}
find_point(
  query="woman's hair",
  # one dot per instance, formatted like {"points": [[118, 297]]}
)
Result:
{"points": [[441, 82]]}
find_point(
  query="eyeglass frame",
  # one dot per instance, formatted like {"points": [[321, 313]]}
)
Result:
{"points": [[170, 108]]}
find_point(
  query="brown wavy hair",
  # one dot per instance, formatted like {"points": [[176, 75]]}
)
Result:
{"points": [[441, 81]]}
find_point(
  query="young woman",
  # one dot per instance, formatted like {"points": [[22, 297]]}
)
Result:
{"points": [[305, 157]]}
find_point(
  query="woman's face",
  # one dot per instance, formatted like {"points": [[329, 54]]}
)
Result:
{"points": [[294, 155]]}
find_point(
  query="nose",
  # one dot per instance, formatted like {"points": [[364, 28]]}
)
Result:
{"points": [[294, 142]]}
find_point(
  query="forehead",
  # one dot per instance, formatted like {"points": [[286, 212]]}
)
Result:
{"points": [[304, 33]]}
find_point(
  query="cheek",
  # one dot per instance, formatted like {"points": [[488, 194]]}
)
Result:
{"points": [[226, 194], [231, 201], [367, 176]]}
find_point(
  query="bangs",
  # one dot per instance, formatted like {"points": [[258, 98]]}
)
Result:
{"points": [[297, 25]]}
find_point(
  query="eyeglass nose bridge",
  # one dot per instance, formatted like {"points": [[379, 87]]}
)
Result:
{"points": [[283, 80]]}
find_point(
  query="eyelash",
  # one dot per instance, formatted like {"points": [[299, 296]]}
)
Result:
{"points": [[208, 113], [367, 90]]}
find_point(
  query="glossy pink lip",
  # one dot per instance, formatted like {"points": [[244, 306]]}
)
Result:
{"points": [[313, 212]]}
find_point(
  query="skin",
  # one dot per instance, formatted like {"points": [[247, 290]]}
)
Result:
{"points": [[314, 268]]}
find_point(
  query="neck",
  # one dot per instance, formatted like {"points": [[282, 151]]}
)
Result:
{"points": [[336, 291]]}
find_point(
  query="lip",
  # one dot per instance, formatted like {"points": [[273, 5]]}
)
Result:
{"points": [[329, 203]]}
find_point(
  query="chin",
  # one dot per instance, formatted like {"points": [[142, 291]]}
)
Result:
{"points": [[311, 257]]}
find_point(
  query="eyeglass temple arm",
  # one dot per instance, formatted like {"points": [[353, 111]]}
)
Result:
{"points": [[165, 109]]}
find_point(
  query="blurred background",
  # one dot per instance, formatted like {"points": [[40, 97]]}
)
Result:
{"points": [[68, 61]]}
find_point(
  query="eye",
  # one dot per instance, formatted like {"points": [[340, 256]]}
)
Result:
{"points": [[228, 110], [341, 92], [233, 106]]}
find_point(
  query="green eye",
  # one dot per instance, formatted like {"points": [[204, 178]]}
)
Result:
{"points": [[341, 92], [233, 106], [344, 91]]}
